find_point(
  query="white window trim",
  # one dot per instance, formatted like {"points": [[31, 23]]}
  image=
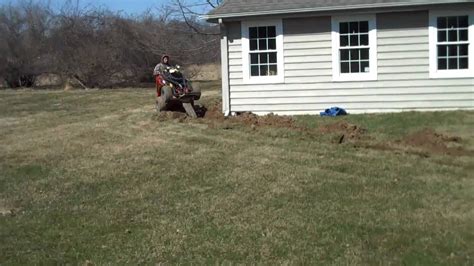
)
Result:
{"points": [[433, 39], [336, 67], [280, 77]]}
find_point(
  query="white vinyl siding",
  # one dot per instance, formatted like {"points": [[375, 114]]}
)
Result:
{"points": [[403, 81]]}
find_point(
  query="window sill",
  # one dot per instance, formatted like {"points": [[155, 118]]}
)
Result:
{"points": [[265, 80], [354, 77], [447, 74]]}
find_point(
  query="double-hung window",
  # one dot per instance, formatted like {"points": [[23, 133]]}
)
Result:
{"points": [[262, 52], [451, 44], [354, 53]]}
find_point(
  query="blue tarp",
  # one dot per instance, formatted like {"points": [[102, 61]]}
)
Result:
{"points": [[333, 111]]}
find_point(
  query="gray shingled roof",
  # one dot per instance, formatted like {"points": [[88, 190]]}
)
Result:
{"points": [[241, 8]]}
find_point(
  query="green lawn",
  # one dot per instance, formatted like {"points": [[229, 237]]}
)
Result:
{"points": [[97, 177]]}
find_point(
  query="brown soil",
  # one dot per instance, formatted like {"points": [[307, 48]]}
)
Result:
{"points": [[423, 143], [434, 142], [214, 112], [215, 118], [345, 131], [429, 137], [270, 120]]}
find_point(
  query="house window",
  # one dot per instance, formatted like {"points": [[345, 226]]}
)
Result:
{"points": [[354, 48], [451, 48], [452, 42], [262, 52]]}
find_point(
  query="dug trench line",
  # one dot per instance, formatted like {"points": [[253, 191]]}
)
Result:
{"points": [[425, 142]]}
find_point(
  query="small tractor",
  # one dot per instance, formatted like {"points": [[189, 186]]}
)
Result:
{"points": [[174, 87]]}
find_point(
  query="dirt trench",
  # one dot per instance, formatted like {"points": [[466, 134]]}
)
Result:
{"points": [[431, 141], [344, 131], [424, 142], [214, 117]]}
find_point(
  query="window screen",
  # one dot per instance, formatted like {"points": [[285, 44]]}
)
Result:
{"points": [[263, 51], [453, 42], [354, 46]]}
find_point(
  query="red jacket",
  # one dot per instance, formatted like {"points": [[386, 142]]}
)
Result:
{"points": [[159, 84]]}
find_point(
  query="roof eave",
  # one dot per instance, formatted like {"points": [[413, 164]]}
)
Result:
{"points": [[214, 18]]}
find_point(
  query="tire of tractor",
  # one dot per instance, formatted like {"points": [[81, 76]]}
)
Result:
{"points": [[164, 99]]}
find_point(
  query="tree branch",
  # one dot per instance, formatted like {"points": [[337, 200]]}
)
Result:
{"points": [[190, 25]]}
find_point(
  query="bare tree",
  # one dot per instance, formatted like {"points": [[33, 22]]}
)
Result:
{"points": [[190, 12], [98, 47], [24, 30]]}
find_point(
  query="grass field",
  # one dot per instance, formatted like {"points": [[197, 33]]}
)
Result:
{"points": [[94, 177]]}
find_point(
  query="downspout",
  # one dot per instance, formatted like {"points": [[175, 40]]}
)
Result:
{"points": [[225, 69]]}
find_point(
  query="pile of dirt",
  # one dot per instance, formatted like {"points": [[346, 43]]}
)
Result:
{"points": [[345, 131], [424, 142], [214, 112], [431, 141], [269, 120], [215, 118]]}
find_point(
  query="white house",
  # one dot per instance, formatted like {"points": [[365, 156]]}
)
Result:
{"points": [[303, 56]]}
